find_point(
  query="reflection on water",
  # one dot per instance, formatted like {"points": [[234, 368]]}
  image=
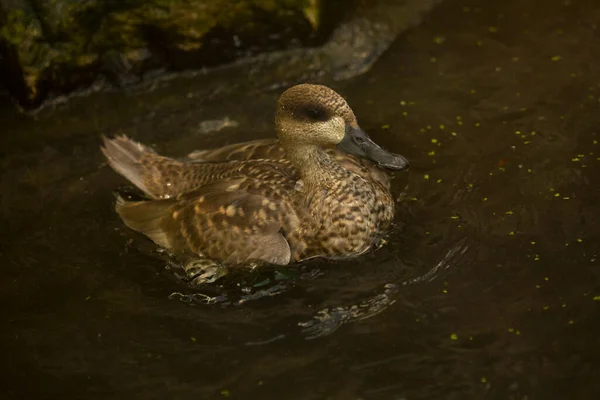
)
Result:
{"points": [[489, 285]]}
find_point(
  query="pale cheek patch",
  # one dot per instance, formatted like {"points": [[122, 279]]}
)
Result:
{"points": [[333, 129]]}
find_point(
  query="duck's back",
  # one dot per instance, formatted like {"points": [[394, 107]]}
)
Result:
{"points": [[270, 149]]}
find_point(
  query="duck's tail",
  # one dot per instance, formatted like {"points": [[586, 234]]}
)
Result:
{"points": [[145, 217], [139, 164]]}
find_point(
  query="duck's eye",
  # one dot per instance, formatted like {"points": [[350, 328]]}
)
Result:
{"points": [[359, 140], [316, 113]]}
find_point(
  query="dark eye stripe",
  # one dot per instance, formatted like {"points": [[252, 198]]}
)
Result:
{"points": [[316, 113]]}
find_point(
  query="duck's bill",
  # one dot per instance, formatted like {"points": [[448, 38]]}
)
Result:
{"points": [[357, 142]]}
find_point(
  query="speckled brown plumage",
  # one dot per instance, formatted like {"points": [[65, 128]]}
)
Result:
{"points": [[276, 201]]}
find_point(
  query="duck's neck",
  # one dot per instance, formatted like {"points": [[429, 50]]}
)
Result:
{"points": [[315, 166]]}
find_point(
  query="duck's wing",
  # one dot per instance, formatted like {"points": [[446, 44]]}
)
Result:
{"points": [[163, 177], [228, 221], [256, 149]]}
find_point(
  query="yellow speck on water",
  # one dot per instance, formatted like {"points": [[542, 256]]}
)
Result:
{"points": [[439, 39], [566, 198], [511, 330], [493, 29], [439, 181], [428, 233], [596, 298], [528, 170], [225, 393], [484, 199], [459, 123], [433, 59], [442, 127], [454, 217], [517, 332], [563, 305], [193, 339], [454, 336], [546, 279], [556, 194], [483, 379], [472, 91], [422, 130], [571, 322], [509, 213], [552, 189], [556, 58], [515, 59], [386, 126], [533, 133], [402, 103], [466, 9], [431, 153], [428, 127], [434, 141], [470, 186], [517, 132], [595, 142], [511, 233], [414, 199], [453, 133], [458, 117], [404, 113], [536, 258], [527, 142], [546, 308], [477, 124], [426, 176], [445, 291], [575, 159], [532, 242], [579, 240], [537, 286], [480, 43]]}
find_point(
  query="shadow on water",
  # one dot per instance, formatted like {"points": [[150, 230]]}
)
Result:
{"points": [[488, 287]]}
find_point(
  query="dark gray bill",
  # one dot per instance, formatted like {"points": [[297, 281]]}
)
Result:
{"points": [[357, 142]]}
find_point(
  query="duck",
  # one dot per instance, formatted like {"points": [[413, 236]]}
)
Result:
{"points": [[321, 189]]}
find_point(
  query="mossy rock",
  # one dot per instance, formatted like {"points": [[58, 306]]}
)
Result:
{"points": [[56, 46]]}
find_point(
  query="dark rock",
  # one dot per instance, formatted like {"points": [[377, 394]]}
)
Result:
{"points": [[56, 46]]}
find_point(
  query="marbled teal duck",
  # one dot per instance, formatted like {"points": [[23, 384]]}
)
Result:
{"points": [[319, 191]]}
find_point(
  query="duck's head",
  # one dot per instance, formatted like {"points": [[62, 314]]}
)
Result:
{"points": [[317, 115]]}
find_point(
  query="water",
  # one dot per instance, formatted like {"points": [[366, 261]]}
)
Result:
{"points": [[487, 288]]}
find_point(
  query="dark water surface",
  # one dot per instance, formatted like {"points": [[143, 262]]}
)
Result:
{"points": [[489, 286]]}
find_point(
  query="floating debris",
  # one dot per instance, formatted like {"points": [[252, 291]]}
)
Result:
{"points": [[453, 336], [439, 39], [215, 125], [556, 58]]}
